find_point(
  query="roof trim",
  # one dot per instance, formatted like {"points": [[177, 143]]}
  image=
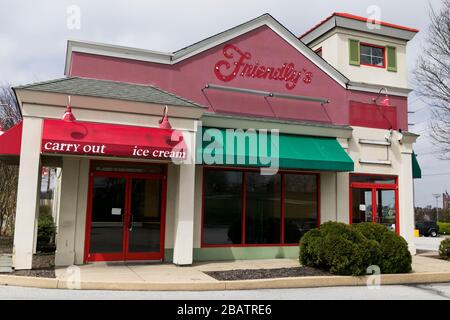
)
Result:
{"points": [[285, 126], [36, 87], [203, 45], [375, 88], [354, 22]]}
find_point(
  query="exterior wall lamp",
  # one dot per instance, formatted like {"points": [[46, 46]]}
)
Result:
{"points": [[68, 115], [385, 102], [164, 122]]}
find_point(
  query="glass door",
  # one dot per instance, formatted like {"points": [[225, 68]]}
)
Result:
{"points": [[108, 214], [145, 219], [386, 208], [125, 217], [374, 198], [362, 205]]}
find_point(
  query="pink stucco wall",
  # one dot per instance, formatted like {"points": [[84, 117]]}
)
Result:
{"points": [[187, 79]]}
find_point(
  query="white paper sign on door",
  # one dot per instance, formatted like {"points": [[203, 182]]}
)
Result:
{"points": [[362, 207], [116, 211]]}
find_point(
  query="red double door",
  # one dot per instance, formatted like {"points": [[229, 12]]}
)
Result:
{"points": [[125, 219]]}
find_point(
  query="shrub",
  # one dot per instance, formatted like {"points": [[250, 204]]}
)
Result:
{"points": [[339, 249], [348, 250], [372, 231], [444, 227], [444, 249], [396, 256], [46, 233]]}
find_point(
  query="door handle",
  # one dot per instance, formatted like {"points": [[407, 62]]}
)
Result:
{"points": [[130, 226]]}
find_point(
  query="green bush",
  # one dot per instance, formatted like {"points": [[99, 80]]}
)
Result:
{"points": [[339, 249], [348, 250], [396, 256], [46, 233], [372, 231], [444, 227], [444, 249]]}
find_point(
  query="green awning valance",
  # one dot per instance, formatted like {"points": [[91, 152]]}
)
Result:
{"points": [[220, 146], [416, 171]]}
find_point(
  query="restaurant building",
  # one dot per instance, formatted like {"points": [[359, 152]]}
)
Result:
{"points": [[230, 148]]}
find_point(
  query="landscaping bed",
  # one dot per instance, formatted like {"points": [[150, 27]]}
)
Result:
{"points": [[43, 267], [250, 274]]}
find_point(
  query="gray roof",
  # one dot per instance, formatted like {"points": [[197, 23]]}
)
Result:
{"points": [[111, 90]]}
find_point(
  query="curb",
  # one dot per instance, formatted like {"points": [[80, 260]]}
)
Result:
{"points": [[275, 283]]}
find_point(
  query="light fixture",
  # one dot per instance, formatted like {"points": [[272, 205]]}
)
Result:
{"points": [[385, 102], [68, 115], [164, 122]]}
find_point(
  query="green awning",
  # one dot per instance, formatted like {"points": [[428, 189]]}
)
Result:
{"points": [[416, 171], [255, 149]]}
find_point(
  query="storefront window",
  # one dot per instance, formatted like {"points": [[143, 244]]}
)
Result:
{"points": [[300, 206], [263, 208], [222, 211], [224, 208]]}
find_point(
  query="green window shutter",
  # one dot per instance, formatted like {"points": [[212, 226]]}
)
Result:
{"points": [[391, 55], [353, 49]]}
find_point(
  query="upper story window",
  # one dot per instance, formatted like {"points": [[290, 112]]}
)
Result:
{"points": [[367, 54], [371, 55]]}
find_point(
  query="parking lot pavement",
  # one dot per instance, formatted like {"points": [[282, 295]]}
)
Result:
{"points": [[428, 243]]}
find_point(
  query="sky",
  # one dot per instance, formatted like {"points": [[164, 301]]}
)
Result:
{"points": [[33, 37]]}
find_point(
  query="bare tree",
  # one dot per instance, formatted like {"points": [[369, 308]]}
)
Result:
{"points": [[9, 115], [433, 77]]}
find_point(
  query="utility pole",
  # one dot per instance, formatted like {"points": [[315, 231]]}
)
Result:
{"points": [[437, 196]]}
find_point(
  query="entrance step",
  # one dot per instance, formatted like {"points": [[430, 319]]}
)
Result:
{"points": [[5, 263]]}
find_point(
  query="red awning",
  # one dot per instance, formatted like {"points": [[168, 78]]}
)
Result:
{"points": [[11, 140], [101, 139]]}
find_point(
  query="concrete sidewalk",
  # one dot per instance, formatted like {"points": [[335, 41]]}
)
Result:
{"points": [[144, 276]]}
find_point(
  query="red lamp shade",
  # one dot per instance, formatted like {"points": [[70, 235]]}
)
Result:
{"points": [[164, 122], [385, 102], [68, 115]]}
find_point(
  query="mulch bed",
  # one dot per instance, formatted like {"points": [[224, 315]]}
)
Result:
{"points": [[39, 273], [249, 274], [43, 267]]}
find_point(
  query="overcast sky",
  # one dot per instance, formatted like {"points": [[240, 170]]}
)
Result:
{"points": [[33, 37]]}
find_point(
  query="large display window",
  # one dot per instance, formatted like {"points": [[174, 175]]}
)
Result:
{"points": [[245, 208]]}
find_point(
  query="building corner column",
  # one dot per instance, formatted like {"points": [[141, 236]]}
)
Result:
{"points": [[184, 213], [406, 198], [65, 239], [28, 194]]}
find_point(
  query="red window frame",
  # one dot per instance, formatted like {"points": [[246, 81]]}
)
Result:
{"points": [[244, 192], [374, 187], [373, 46]]}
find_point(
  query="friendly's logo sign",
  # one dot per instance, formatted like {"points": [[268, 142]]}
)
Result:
{"points": [[238, 63]]}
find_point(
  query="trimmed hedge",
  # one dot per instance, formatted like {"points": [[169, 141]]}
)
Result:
{"points": [[444, 249], [46, 233], [350, 249], [444, 227]]}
